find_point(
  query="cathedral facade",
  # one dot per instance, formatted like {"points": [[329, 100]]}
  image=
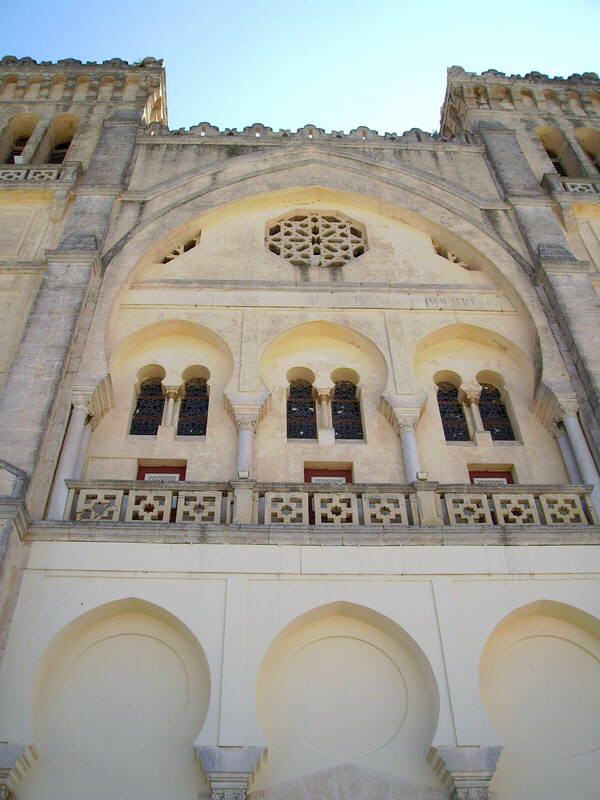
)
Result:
{"points": [[299, 440]]}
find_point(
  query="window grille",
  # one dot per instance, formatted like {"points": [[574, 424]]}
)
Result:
{"points": [[148, 412], [556, 163], [57, 155], [316, 240], [452, 414], [301, 412], [17, 149], [494, 414], [193, 413], [345, 410]]}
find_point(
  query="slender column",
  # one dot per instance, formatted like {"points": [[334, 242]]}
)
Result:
{"points": [[246, 425], [171, 393], [470, 393], [568, 455], [583, 456], [68, 458], [410, 451], [325, 419], [85, 441]]}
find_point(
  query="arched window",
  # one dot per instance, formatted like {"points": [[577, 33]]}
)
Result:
{"points": [[556, 162], [345, 411], [148, 412], [301, 412], [58, 153], [17, 149], [193, 413], [452, 414], [494, 415]]}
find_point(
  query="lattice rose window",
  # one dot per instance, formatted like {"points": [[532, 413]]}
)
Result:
{"points": [[319, 239]]}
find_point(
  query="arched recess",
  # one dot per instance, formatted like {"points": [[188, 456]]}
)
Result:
{"points": [[174, 346], [446, 212], [344, 684], [324, 349], [479, 355], [540, 683], [119, 697]]}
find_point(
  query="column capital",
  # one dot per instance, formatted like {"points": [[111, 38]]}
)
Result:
{"points": [[469, 392], [229, 770], [324, 392], [247, 409], [15, 761], [172, 391], [403, 411], [465, 772], [97, 394], [553, 402]]}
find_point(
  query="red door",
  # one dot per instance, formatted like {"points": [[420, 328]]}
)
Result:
{"points": [[164, 474]]}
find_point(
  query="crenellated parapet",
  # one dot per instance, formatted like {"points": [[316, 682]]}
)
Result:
{"points": [[471, 96], [257, 133]]}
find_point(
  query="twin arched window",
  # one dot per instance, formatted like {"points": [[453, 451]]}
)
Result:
{"points": [[301, 411], [346, 417], [492, 410], [150, 405]]}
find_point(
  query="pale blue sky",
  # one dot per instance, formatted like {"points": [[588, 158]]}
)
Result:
{"points": [[335, 63]]}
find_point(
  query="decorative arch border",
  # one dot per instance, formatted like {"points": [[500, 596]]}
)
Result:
{"points": [[397, 193]]}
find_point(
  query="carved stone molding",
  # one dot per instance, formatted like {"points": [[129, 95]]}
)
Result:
{"points": [[403, 411], [470, 392], [15, 761], [95, 396], [229, 770], [465, 772], [247, 409]]}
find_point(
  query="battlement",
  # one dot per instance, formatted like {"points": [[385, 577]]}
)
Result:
{"points": [[470, 95]]}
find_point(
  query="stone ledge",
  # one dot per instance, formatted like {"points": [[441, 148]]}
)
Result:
{"points": [[351, 535]]}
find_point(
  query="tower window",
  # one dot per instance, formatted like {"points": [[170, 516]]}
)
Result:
{"points": [[301, 412], [17, 149], [193, 414], [149, 406], [494, 414], [345, 411], [326, 239], [452, 414], [57, 155], [556, 162]]}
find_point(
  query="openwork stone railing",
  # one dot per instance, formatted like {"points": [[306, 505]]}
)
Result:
{"points": [[39, 173], [559, 185], [330, 506]]}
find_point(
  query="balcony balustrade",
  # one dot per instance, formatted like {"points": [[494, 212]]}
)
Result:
{"points": [[561, 187], [39, 173], [330, 507]]}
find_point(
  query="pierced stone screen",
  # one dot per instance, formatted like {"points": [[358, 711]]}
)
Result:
{"points": [[316, 240]]}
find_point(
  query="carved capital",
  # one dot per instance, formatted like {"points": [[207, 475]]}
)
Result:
{"points": [[247, 422], [229, 769], [172, 391], [406, 424], [95, 395], [465, 772], [470, 392], [403, 411]]}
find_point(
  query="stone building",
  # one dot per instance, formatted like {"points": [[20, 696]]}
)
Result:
{"points": [[300, 436]]}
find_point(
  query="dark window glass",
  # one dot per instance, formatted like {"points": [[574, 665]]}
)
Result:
{"points": [[193, 413], [494, 414], [57, 156], [17, 149], [594, 158], [148, 408], [557, 163], [345, 410], [301, 413], [452, 414]]}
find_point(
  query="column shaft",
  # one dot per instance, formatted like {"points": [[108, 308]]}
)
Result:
{"points": [[67, 461], [583, 456], [568, 457], [410, 453]]}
